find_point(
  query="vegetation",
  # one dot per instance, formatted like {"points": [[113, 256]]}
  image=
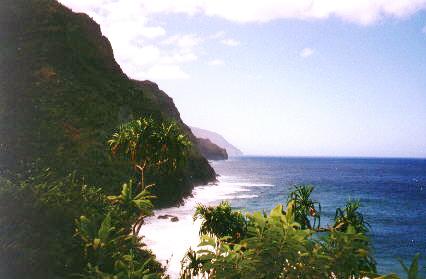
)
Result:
{"points": [[221, 221], [63, 94], [151, 146], [54, 227], [305, 208], [63, 213], [283, 244]]}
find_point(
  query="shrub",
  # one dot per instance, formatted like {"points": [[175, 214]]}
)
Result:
{"points": [[283, 244]]}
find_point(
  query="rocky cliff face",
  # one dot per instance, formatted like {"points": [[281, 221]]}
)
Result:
{"points": [[210, 150], [63, 94], [218, 140]]}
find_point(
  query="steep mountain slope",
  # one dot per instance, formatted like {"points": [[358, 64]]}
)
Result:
{"points": [[210, 150], [63, 94], [218, 140]]}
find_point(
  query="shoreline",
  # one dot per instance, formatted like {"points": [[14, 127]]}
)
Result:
{"points": [[170, 241]]}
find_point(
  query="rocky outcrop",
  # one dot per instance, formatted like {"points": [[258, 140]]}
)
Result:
{"points": [[218, 140], [211, 151], [63, 94]]}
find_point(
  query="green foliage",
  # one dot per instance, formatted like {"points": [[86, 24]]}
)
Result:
{"points": [[221, 221], [305, 208], [349, 253], [109, 248], [283, 245], [38, 212], [112, 252], [151, 146], [139, 205], [413, 270], [103, 241], [40, 239], [350, 216]]}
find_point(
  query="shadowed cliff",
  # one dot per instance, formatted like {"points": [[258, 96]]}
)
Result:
{"points": [[63, 95]]}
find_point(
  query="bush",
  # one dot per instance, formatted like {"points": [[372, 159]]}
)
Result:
{"points": [[283, 244], [45, 232]]}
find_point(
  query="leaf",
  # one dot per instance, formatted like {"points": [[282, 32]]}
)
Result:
{"points": [[290, 212], [207, 241], [97, 243], [414, 268], [85, 228], [105, 228], [277, 211]]}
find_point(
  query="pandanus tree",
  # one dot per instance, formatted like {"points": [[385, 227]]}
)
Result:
{"points": [[221, 221], [150, 145], [305, 208], [350, 216]]}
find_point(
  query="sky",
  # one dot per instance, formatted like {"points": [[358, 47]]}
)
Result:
{"points": [[282, 77]]}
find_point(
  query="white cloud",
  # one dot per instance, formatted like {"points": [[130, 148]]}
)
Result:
{"points": [[152, 32], [135, 39], [217, 35], [161, 72], [216, 62], [306, 52], [359, 11], [183, 41], [128, 25], [230, 42]]}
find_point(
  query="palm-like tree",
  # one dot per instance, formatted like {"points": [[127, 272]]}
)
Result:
{"points": [[305, 208], [148, 144], [221, 221], [350, 216]]}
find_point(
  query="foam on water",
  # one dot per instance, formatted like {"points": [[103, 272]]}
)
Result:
{"points": [[170, 240]]}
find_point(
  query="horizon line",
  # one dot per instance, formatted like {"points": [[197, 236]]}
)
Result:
{"points": [[330, 156]]}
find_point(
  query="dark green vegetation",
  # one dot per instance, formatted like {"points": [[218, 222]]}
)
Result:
{"points": [[55, 227], [284, 244], [63, 94]]}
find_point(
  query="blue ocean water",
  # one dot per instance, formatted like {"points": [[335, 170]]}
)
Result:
{"points": [[392, 193]]}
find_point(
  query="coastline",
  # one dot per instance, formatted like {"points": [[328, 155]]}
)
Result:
{"points": [[168, 240]]}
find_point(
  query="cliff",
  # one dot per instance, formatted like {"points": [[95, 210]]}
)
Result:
{"points": [[210, 150], [63, 94], [218, 140]]}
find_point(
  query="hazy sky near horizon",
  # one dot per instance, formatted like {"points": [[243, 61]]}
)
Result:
{"points": [[290, 77]]}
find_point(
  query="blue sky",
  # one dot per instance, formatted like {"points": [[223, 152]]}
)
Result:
{"points": [[311, 78]]}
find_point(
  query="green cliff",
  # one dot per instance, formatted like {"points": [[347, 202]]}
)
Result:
{"points": [[63, 94]]}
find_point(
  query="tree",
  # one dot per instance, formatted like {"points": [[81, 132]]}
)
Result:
{"points": [[221, 221], [305, 207], [350, 216], [282, 244], [150, 145]]}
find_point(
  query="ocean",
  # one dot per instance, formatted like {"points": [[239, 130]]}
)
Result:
{"points": [[392, 194]]}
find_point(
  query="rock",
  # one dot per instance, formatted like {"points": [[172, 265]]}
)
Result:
{"points": [[217, 139], [162, 217], [168, 216], [210, 150]]}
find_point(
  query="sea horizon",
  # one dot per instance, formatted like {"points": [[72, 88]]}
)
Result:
{"points": [[258, 183], [328, 156]]}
